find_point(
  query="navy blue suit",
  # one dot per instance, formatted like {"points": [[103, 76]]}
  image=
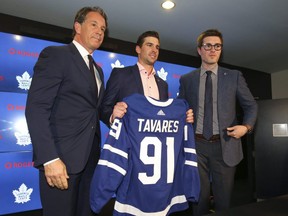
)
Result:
{"points": [[62, 113], [218, 160], [124, 82]]}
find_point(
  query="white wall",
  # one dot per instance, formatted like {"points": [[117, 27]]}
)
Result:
{"points": [[279, 84]]}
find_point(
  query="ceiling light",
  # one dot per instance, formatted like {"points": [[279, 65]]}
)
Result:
{"points": [[168, 5]]}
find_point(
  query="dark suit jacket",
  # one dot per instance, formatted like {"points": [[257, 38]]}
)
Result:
{"points": [[232, 87], [124, 82], [62, 108]]}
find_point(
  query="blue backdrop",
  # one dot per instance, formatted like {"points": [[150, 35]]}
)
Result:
{"points": [[18, 55]]}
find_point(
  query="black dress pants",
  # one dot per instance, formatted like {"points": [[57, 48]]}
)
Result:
{"points": [[213, 171]]}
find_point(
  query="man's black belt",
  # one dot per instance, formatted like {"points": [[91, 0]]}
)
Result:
{"points": [[214, 138]]}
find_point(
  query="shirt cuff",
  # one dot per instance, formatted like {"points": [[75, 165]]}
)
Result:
{"points": [[51, 161]]}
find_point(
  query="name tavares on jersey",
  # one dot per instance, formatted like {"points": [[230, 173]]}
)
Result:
{"points": [[157, 125], [147, 125]]}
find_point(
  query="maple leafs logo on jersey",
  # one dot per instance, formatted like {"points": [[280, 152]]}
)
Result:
{"points": [[162, 74], [24, 81], [23, 194], [161, 113], [117, 64]]}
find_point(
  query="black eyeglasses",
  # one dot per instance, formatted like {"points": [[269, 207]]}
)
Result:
{"points": [[208, 46]]}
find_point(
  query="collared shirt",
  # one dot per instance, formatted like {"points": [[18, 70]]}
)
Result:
{"points": [[149, 83], [84, 53], [200, 117]]}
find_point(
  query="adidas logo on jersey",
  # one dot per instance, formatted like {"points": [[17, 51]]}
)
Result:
{"points": [[161, 113]]}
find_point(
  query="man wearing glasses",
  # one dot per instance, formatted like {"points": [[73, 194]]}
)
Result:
{"points": [[212, 92]]}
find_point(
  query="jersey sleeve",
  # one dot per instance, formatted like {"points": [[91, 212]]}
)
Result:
{"points": [[191, 174], [111, 167]]}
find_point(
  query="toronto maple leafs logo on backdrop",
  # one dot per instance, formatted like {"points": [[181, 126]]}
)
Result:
{"points": [[22, 195], [21, 133], [162, 74], [117, 64], [24, 81]]}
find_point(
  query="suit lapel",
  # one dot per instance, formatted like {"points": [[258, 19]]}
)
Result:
{"points": [[137, 78], [102, 87], [84, 70], [222, 86], [160, 89], [80, 63]]}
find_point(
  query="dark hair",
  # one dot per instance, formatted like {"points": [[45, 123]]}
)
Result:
{"points": [[82, 13], [208, 33], [141, 38]]}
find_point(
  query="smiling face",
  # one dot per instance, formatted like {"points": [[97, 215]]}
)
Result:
{"points": [[90, 33], [149, 51], [210, 57]]}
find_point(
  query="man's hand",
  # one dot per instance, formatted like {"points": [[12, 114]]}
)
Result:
{"points": [[119, 110], [56, 174], [237, 131], [190, 116]]}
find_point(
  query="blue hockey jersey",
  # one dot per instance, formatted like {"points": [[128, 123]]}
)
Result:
{"points": [[148, 160]]}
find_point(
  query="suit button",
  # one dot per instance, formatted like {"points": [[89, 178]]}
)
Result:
{"points": [[93, 127]]}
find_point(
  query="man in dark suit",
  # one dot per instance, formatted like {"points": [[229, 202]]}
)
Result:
{"points": [[219, 153], [63, 118], [140, 78]]}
